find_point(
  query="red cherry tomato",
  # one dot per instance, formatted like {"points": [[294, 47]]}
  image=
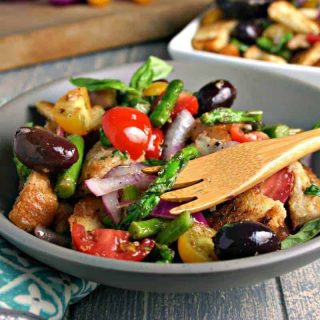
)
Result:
{"points": [[127, 129], [186, 101], [110, 243], [279, 186], [312, 38], [238, 135], [154, 149]]}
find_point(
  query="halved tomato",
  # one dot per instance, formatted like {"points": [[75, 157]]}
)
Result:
{"points": [[186, 101], [110, 243], [237, 134]]}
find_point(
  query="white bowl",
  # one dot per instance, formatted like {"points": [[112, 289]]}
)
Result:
{"points": [[180, 48]]}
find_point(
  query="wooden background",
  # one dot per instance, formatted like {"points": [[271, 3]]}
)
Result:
{"points": [[295, 296]]}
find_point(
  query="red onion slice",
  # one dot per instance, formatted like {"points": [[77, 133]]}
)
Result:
{"points": [[48, 235], [177, 134], [199, 217], [111, 204]]}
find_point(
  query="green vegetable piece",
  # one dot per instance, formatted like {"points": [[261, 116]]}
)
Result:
{"points": [[162, 112], [104, 139], [107, 222], [281, 43], [154, 162], [227, 115], [277, 131], [164, 182], [175, 229], [317, 125], [313, 190], [242, 46], [265, 43], [120, 154], [103, 84], [22, 170], [310, 230], [147, 228], [161, 253], [130, 193], [153, 69], [67, 180], [285, 54]]}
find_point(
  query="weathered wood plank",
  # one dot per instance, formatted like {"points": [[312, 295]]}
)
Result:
{"points": [[301, 291]]}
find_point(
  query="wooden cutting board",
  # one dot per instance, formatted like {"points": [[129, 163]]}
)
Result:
{"points": [[35, 31]]}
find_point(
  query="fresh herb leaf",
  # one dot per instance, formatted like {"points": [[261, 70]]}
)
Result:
{"points": [[317, 125], [242, 46], [118, 153], [310, 230], [154, 162], [102, 84], [104, 139], [22, 170], [152, 70], [313, 190]]}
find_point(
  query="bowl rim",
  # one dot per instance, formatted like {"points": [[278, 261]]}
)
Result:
{"points": [[187, 33], [15, 235]]}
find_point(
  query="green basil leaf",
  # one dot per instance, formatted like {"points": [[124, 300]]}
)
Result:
{"points": [[102, 84], [152, 70], [313, 190], [310, 230]]}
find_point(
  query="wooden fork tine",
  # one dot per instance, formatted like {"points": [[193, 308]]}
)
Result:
{"points": [[185, 194], [193, 206]]}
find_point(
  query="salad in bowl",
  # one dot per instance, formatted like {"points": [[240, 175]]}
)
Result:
{"points": [[82, 183], [281, 32]]}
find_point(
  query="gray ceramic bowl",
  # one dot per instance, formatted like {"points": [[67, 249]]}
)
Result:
{"points": [[282, 99]]}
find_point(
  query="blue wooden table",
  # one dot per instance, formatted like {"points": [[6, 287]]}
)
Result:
{"points": [[295, 296]]}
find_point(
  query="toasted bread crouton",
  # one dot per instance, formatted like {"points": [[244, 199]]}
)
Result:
{"points": [[99, 161], [214, 37], [287, 14], [302, 207], [299, 41], [36, 203], [209, 139], [309, 57], [86, 212], [251, 205], [256, 53]]}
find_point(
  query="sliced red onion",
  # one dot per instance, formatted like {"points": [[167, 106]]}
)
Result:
{"points": [[177, 134], [48, 235], [63, 2], [162, 210], [125, 204], [111, 204], [307, 160], [60, 132], [199, 217], [119, 178]]}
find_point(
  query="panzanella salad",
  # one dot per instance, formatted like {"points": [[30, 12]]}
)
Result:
{"points": [[82, 183], [268, 30]]}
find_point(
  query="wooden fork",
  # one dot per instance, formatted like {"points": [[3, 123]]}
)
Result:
{"points": [[215, 178]]}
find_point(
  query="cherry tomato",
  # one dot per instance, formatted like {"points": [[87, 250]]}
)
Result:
{"points": [[279, 186], [238, 135], [312, 38], [154, 149], [110, 243], [128, 130], [186, 101], [196, 245]]}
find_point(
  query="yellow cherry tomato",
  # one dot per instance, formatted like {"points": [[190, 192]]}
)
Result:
{"points": [[155, 89], [72, 112], [196, 245]]}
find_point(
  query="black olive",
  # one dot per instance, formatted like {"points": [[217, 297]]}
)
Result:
{"points": [[244, 239], [216, 94], [244, 9], [44, 151], [248, 31]]}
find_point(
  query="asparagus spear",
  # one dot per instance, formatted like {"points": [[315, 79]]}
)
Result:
{"points": [[175, 229], [165, 180], [148, 228], [227, 115], [67, 180], [163, 110], [277, 131], [161, 253]]}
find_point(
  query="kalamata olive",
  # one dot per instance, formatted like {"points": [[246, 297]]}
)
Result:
{"points": [[44, 151], [244, 239], [244, 9], [216, 94], [248, 31]]}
